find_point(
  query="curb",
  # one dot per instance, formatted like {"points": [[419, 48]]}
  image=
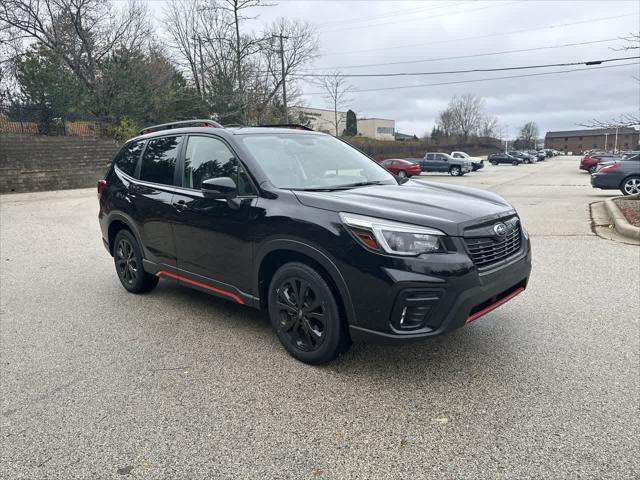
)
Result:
{"points": [[619, 221]]}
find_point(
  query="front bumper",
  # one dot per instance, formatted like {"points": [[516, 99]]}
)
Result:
{"points": [[451, 298], [604, 181]]}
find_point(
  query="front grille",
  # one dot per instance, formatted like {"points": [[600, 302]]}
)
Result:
{"points": [[486, 251]]}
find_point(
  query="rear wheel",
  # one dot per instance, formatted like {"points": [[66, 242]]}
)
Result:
{"points": [[631, 185], [455, 171], [593, 168], [127, 257], [494, 162], [515, 163], [305, 315]]}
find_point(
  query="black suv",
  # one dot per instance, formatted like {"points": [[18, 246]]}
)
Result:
{"points": [[305, 226], [496, 158]]}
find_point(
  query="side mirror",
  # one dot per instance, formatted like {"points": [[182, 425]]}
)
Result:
{"points": [[220, 187]]}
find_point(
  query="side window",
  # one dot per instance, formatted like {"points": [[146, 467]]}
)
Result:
{"points": [[430, 156], [128, 157], [208, 157], [159, 160]]}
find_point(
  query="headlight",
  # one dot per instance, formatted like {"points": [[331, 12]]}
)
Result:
{"points": [[393, 237]]}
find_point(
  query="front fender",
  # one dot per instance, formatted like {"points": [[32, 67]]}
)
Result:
{"points": [[314, 252]]}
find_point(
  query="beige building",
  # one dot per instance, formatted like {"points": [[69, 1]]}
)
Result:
{"points": [[378, 128], [323, 120], [319, 119]]}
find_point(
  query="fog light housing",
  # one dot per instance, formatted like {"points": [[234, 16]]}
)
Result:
{"points": [[411, 311]]}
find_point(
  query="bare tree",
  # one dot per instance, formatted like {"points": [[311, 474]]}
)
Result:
{"points": [[236, 8], [299, 49], [467, 112], [446, 122], [488, 126], [624, 120], [336, 91], [182, 21], [83, 31], [528, 135], [632, 42]]}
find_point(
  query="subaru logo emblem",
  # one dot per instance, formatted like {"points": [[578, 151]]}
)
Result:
{"points": [[500, 229]]}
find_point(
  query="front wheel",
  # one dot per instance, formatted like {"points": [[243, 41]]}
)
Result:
{"points": [[593, 169], [455, 171], [402, 174], [494, 162], [515, 163], [305, 315], [127, 257], [631, 185]]}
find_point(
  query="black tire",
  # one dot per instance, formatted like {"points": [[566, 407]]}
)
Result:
{"points": [[494, 162], [402, 174], [593, 169], [475, 168], [455, 171], [630, 185], [515, 163], [305, 315], [127, 258]]}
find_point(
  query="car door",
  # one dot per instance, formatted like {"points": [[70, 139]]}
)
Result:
{"points": [[390, 165], [214, 237], [428, 163], [441, 163], [152, 198]]}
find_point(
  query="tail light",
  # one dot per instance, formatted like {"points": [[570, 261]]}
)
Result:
{"points": [[608, 168], [102, 184]]}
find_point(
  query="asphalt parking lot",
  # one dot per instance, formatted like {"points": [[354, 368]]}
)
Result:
{"points": [[98, 383]]}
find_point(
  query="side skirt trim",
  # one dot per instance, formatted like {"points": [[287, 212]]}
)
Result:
{"points": [[201, 285]]}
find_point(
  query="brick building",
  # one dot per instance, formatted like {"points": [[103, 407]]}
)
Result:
{"points": [[577, 141]]}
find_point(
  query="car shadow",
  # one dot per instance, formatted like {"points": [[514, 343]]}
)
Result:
{"points": [[472, 348]]}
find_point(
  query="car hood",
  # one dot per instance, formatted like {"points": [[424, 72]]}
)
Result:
{"points": [[448, 208]]}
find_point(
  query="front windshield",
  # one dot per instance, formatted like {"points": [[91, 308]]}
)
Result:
{"points": [[313, 162]]}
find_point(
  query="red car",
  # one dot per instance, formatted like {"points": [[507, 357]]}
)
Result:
{"points": [[401, 168]]}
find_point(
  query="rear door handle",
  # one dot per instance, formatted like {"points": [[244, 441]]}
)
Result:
{"points": [[180, 205]]}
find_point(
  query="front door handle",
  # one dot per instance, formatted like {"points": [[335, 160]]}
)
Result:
{"points": [[180, 205]]}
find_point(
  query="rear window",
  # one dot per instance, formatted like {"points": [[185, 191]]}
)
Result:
{"points": [[159, 160], [128, 158]]}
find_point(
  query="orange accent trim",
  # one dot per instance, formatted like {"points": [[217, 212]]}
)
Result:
{"points": [[494, 305], [200, 284]]}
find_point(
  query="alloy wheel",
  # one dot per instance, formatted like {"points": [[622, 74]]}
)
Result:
{"points": [[455, 171], [301, 314], [632, 186], [126, 262], [402, 174]]}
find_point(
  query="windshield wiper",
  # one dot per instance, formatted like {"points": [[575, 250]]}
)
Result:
{"points": [[333, 188]]}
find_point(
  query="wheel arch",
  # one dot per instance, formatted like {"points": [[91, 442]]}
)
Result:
{"points": [[278, 252], [119, 222]]}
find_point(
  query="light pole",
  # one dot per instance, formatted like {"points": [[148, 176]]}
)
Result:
{"points": [[615, 147], [284, 82], [606, 135]]}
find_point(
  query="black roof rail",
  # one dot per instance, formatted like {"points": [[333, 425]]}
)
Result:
{"points": [[293, 126], [180, 124]]}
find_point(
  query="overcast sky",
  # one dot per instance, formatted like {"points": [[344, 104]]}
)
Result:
{"points": [[380, 32]]}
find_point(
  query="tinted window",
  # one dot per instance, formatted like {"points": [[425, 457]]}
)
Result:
{"points": [[128, 158], [159, 160], [208, 157], [430, 156]]}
